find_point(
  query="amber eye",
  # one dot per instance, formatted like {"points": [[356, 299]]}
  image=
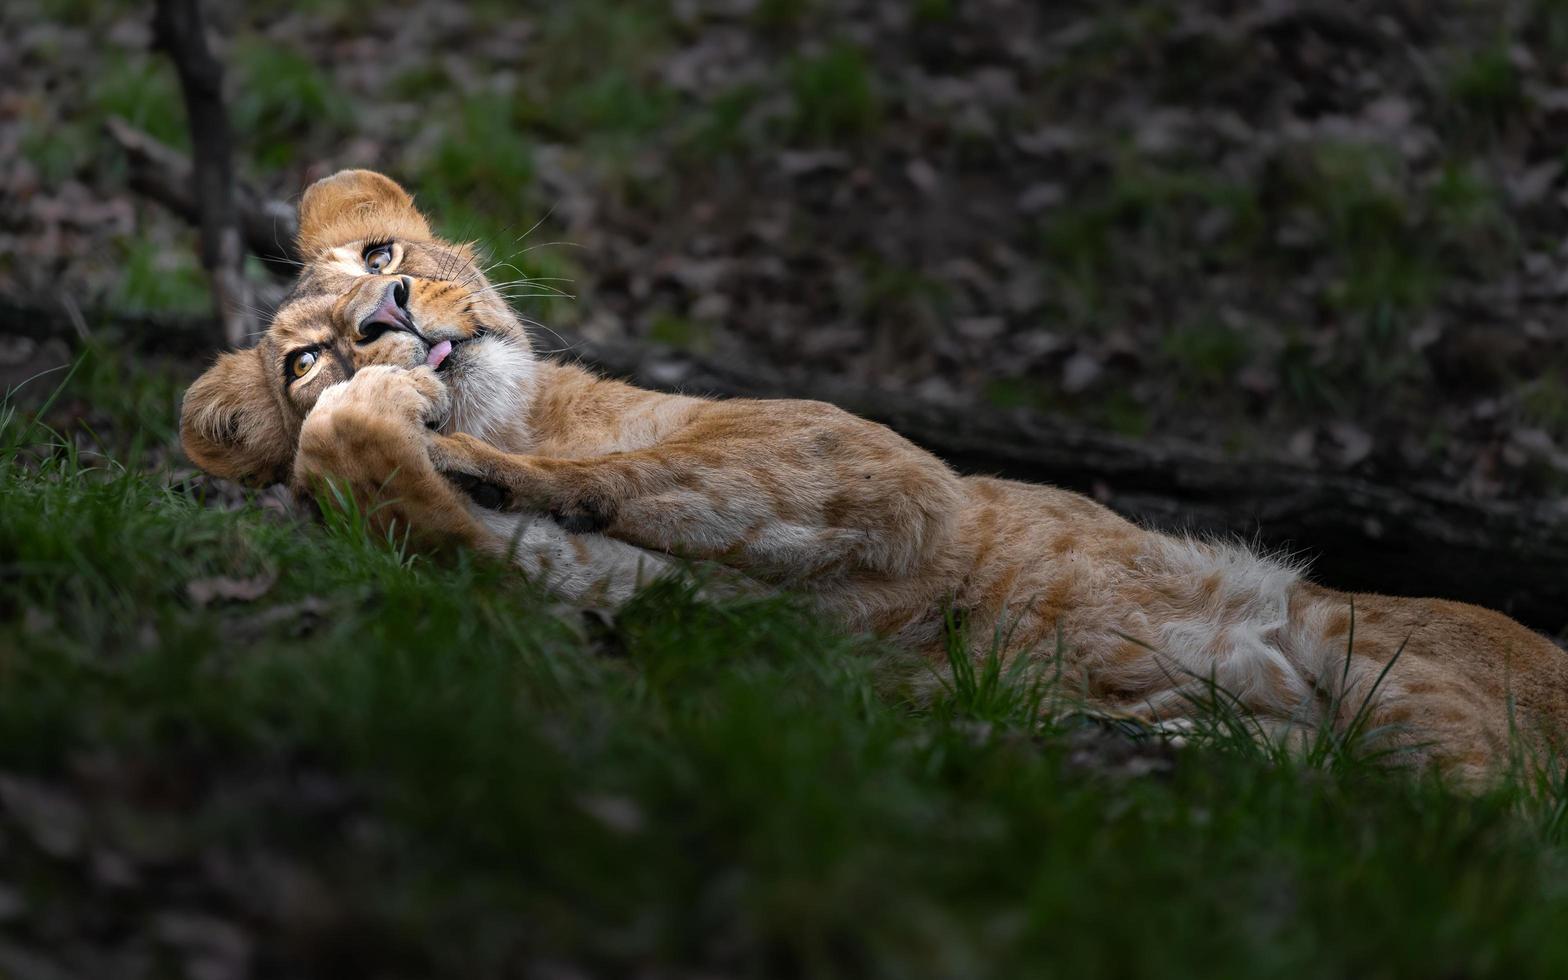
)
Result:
{"points": [[378, 258], [301, 363]]}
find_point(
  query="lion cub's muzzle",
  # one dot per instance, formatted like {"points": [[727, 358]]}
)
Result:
{"points": [[388, 311], [385, 305]]}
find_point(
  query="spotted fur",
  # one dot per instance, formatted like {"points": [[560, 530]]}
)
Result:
{"points": [[595, 486]]}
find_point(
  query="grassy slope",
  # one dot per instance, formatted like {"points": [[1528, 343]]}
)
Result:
{"points": [[386, 766]]}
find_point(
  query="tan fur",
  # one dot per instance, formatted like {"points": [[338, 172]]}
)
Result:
{"points": [[594, 485], [356, 206]]}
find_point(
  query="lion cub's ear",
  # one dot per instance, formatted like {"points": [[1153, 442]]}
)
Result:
{"points": [[230, 426], [356, 206]]}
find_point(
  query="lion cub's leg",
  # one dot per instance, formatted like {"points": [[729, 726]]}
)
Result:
{"points": [[1470, 687], [585, 568], [370, 435], [817, 495]]}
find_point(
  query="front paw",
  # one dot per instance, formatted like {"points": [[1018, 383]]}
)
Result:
{"points": [[491, 478], [497, 480], [482, 492], [460, 454], [434, 405], [370, 428], [413, 397], [584, 515]]}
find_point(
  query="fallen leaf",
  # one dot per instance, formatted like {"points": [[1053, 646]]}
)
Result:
{"points": [[205, 591], [1080, 371]]}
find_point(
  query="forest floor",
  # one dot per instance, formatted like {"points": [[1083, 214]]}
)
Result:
{"points": [[1328, 232], [236, 744]]}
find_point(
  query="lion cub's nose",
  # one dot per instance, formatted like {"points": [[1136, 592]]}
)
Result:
{"points": [[391, 313]]}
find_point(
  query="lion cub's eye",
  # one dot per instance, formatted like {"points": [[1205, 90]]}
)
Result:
{"points": [[378, 258], [300, 363]]}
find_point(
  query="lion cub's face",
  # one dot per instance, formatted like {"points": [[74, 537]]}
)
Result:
{"points": [[376, 288]]}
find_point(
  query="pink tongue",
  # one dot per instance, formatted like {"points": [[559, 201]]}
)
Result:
{"points": [[438, 353]]}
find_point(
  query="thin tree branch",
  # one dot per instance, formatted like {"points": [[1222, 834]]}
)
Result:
{"points": [[178, 29]]}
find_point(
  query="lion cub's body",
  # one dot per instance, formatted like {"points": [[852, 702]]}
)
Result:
{"points": [[596, 486]]}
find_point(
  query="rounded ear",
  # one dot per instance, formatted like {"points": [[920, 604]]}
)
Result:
{"points": [[230, 426], [356, 206]]}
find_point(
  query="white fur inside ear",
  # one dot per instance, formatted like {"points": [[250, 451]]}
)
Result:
{"points": [[347, 261]]}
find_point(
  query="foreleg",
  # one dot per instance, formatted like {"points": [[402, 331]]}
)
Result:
{"points": [[369, 439], [785, 491]]}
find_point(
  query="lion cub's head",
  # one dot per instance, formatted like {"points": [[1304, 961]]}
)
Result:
{"points": [[375, 287]]}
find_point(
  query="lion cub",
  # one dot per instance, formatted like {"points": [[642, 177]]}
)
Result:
{"points": [[396, 367]]}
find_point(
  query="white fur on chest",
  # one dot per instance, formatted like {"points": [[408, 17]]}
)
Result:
{"points": [[492, 390]]}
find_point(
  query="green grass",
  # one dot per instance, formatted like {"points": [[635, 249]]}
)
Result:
{"points": [[56, 150], [1485, 86], [1385, 240], [279, 96], [1140, 208], [934, 11], [783, 14], [616, 106], [1549, 21], [143, 90], [678, 786], [722, 128], [1544, 402], [681, 332], [153, 277], [1207, 351], [478, 184], [836, 96]]}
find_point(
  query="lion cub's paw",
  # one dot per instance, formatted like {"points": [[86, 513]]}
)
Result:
{"points": [[498, 480], [373, 422], [469, 464], [411, 395]]}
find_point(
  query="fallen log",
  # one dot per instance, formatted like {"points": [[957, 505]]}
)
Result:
{"points": [[1357, 534], [167, 334]]}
